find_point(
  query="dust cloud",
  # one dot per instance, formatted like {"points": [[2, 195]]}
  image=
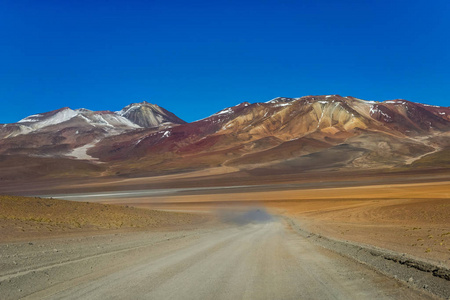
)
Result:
{"points": [[244, 216]]}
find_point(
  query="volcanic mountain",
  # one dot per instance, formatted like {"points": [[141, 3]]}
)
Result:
{"points": [[60, 132], [149, 115], [283, 135]]}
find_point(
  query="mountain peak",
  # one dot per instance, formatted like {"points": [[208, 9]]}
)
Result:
{"points": [[143, 103], [148, 115], [51, 117]]}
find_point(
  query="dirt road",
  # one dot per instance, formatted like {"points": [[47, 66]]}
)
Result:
{"points": [[264, 260]]}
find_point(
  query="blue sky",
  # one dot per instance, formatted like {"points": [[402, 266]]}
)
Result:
{"points": [[196, 57]]}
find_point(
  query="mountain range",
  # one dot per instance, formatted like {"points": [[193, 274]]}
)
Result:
{"points": [[283, 135]]}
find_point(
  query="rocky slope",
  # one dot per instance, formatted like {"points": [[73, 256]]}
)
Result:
{"points": [[289, 135], [282, 135], [67, 132], [149, 115]]}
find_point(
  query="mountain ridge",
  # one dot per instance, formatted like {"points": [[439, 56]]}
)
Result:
{"points": [[152, 118], [282, 134]]}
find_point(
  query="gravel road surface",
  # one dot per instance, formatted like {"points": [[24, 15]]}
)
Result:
{"points": [[265, 260]]}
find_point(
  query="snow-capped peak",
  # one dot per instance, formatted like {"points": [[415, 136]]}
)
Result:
{"points": [[32, 118], [105, 119], [127, 110], [42, 120]]}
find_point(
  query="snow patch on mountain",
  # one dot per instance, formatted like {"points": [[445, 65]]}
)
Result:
{"points": [[225, 111], [166, 134], [39, 121], [282, 104], [32, 118], [128, 109], [281, 100], [375, 110], [81, 152]]}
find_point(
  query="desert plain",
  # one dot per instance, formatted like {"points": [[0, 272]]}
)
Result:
{"points": [[221, 234]]}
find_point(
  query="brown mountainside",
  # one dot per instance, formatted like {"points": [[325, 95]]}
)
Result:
{"points": [[282, 135]]}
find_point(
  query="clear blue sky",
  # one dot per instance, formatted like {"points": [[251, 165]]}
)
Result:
{"points": [[197, 57]]}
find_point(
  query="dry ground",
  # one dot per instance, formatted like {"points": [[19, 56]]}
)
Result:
{"points": [[407, 218], [23, 218], [257, 260], [412, 218], [419, 227]]}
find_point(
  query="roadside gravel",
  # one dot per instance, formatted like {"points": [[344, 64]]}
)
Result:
{"points": [[414, 272]]}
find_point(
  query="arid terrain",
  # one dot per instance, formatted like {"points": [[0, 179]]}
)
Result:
{"points": [[171, 233], [323, 197], [408, 218], [222, 150], [25, 218]]}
